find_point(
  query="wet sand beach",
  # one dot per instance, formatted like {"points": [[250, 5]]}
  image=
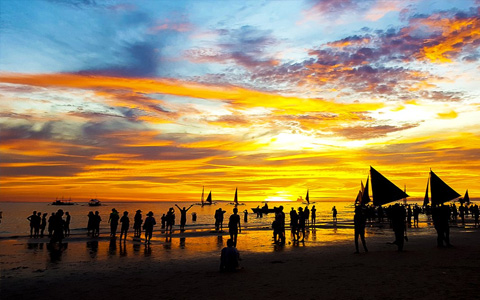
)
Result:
{"points": [[184, 268]]}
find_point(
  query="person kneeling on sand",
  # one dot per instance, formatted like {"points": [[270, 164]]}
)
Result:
{"points": [[229, 258]]}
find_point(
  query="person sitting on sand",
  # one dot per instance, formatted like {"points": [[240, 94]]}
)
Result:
{"points": [[125, 225], [148, 227], [229, 258], [234, 226]]}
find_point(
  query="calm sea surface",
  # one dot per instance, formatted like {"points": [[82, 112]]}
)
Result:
{"points": [[15, 223]]}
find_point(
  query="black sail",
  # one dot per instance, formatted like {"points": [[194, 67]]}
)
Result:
{"points": [[383, 190], [440, 191], [209, 198], [425, 199], [365, 195]]}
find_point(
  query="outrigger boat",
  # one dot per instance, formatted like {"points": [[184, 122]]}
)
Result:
{"points": [[209, 198], [235, 200], [440, 192], [63, 202], [383, 190], [94, 202]]}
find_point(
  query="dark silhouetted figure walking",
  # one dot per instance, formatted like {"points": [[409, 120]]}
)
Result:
{"points": [[440, 217], [293, 223], [170, 219], [183, 216], [148, 227], [398, 225], [229, 258], [125, 225], [359, 221], [234, 226]]}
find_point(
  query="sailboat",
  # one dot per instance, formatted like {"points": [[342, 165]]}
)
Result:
{"points": [[235, 200], [383, 190], [440, 192], [307, 198], [209, 199]]}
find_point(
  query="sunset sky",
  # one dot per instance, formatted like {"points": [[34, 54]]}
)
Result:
{"points": [[152, 100]]}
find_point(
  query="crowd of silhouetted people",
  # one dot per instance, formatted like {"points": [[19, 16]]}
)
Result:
{"points": [[399, 217]]}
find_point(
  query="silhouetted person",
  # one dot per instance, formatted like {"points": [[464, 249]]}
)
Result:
{"points": [[43, 225], [38, 223], [50, 224], [245, 216], [68, 218], [294, 223], [234, 226], [194, 217], [58, 227], [461, 210], [476, 213], [440, 216], [398, 225], [32, 219], [314, 215], [416, 213], [113, 220], [306, 212], [334, 214], [170, 219], [125, 225], [96, 228], [219, 219], [183, 216], [91, 223], [137, 223], [163, 220], [229, 257], [279, 230], [359, 221], [148, 227], [301, 224]]}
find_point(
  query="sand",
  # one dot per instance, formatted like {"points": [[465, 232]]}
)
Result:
{"points": [[309, 271]]}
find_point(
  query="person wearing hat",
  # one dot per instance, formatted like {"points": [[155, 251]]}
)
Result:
{"points": [[113, 220], [137, 224], [148, 226]]}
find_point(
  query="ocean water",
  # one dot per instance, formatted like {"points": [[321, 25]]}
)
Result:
{"points": [[15, 223]]}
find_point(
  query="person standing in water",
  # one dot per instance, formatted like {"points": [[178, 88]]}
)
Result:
{"points": [[125, 225], [183, 216], [148, 227], [68, 219], [334, 214], [137, 224], [113, 220], [314, 215], [234, 226], [43, 225], [32, 219]]}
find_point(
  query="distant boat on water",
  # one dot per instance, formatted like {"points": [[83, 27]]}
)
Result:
{"points": [[94, 202], [63, 202], [235, 199], [440, 192], [208, 201]]}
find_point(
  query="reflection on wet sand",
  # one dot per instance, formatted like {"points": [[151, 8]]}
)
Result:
{"points": [[92, 247], [56, 250]]}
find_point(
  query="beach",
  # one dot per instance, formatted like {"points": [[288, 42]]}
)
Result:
{"points": [[100, 269]]}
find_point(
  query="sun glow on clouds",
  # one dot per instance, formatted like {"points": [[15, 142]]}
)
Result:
{"points": [[192, 100]]}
